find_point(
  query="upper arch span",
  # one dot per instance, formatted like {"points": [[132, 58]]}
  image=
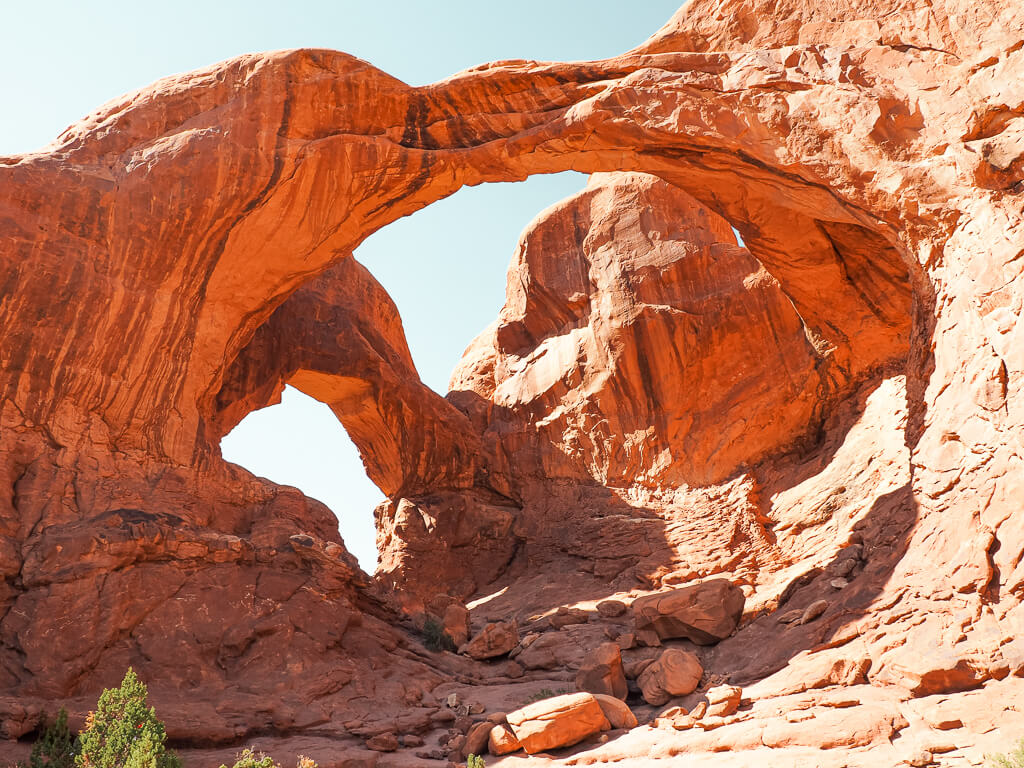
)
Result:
{"points": [[216, 194]]}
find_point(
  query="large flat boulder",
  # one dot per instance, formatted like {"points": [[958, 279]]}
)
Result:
{"points": [[560, 721], [704, 613]]}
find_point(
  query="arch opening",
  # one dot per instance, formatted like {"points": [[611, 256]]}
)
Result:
{"points": [[843, 271], [299, 442]]}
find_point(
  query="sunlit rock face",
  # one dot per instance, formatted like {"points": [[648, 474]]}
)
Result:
{"points": [[829, 416], [640, 345]]}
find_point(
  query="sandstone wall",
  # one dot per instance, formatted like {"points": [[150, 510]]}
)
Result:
{"points": [[655, 403]]}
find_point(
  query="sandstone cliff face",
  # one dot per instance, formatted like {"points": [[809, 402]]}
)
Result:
{"points": [[643, 345], [836, 403]]}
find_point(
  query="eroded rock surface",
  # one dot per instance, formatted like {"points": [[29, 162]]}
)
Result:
{"points": [[828, 415]]}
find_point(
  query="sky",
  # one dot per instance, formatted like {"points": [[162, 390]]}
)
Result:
{"points": [[444, 266]]}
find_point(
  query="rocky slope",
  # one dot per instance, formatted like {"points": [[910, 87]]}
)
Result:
{"points": [[828, 416]]}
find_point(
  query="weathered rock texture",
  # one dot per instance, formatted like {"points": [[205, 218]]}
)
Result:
{"points": [[831, 411]]}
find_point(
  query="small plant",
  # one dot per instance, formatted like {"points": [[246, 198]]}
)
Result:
{"points": [[250, 758], [123, 732], [55, 747], [1014, 759], [434, 636], [475, 761]]}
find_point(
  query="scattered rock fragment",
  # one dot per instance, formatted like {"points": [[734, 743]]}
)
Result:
{"points": [[813, 611], [723, 700], [383, 742], [841, 568], [679, 719], [565, 617], [611, 608]]}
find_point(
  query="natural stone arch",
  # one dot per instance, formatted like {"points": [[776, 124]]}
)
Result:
{"points": [[342, 149], [885, 145], [339, 339]]}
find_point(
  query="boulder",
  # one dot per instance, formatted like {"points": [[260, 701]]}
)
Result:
{"points": [[560, 721], [496, 639], [551, 650], [704, 613], [611, 608], [723, 700], [674, 673], [383, 742], [617, 711], [455, 622], [502, 740], [477, 738], [566, 616], [602, 672], [813, 611]]}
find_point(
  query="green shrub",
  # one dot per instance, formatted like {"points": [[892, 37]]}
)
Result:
{"points": [[123, 732], [1014, 759], [250, 758], [434, 636], [475, 761], [55, 747]]}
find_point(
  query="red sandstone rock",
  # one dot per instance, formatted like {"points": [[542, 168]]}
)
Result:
{"points": [[723, 700], [495, 639], [557, 722], [655, 403], [705, 613], [383, 742], [477, 739], [502, 741], [617, 711], [456, 623], [602, 672], [673, 673], [611, 608]]}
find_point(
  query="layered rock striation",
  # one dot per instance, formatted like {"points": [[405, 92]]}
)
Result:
{"points": [[825, 412]]}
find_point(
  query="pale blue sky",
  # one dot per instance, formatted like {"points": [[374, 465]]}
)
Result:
{"points": [[444, 266]]}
